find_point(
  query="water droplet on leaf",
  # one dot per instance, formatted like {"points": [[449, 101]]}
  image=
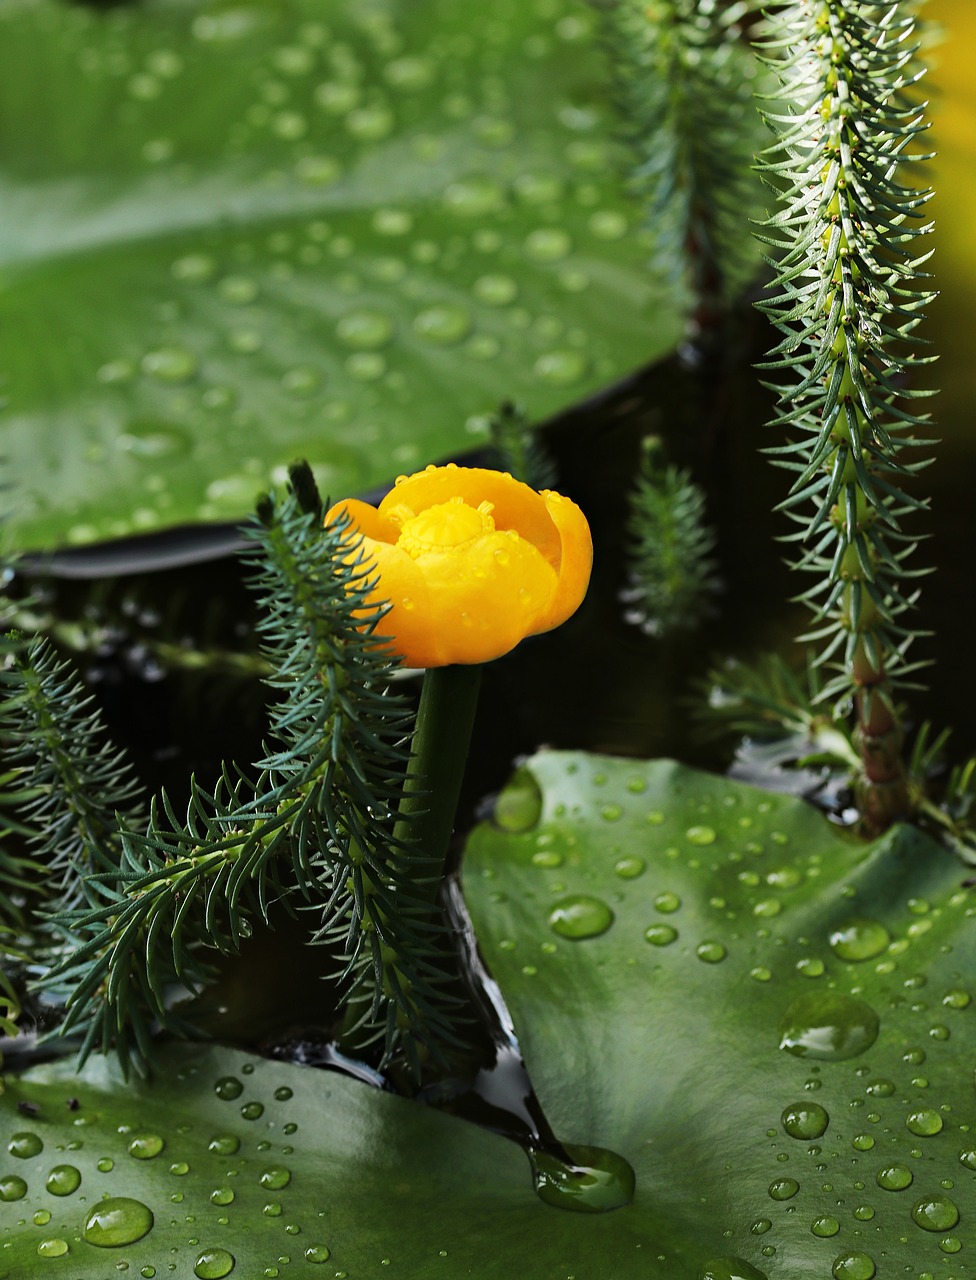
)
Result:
{"points": [[829, 1026], [214, 1264], [805, 1120], [25, 1145], [63, 1180], [596, 1181], [580, 916], [859, 939], [117, 1221]]}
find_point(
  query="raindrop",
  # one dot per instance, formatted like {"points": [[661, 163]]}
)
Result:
{"points": [[880, 1088], [12, 1187], [700, 835], [214, 1264], [225, 1144], [859, 939], [895, 1177], [783, 1189], [154, 440], [630, 868], [228, 1088], [52, 1248], [853, 1266], [660, 935], [711, 952], [968, 1159], [283, 1093], [275, 1179], [956, 999], [548, 244], [495, 290], [937, 1213], [729, 1269], [42, 1217], [25, 1145], [252, 1110], [222, 1195], [864, 1212], [829, 1026], [924, 1123], [180, 1168], [825, 1227], [364, 330], [580, 916], [117, 1221], [810, 967], [596, 1181], [445, 324], [805, 1120], [518, 807], [105, 1165], [547, 858], [667, 903], [144, 1146], [561, 368], [63, 1180], [169, 364], [317, 1253]]}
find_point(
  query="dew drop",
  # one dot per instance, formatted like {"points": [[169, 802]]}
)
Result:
{"points": [[214, 1264], [968, 1159], [222, 1196], [936, 1213], [827, 1025], [548, 244], [52, 1248], [317, 1253], [580, 916], [12, 1188], [144, 1146], [275, 1179], [729, 1269], [518, 807], [859, 938], [667, 903], [711, 952], [853, 1266], [179, 1169], [630, 868], [660, 935], [561, 368], [252, 1110], [783, 1189], [880, 1088], [864, 1212], [956, 999], [25, 1145], [169, 364], [810, 967], [283, 1094], [701, 835], [117, 1221], [825, 1227], [925, 1122], [63, 1180], [805, 1120], [895, 1177], [42, 1217], [224, 1144], [364, 330], [444, 325], [597, 1180], [228, 1088]]}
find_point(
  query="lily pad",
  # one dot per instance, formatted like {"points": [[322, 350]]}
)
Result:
{"points": [[709, 922], [239, 233], [773, 1022]]}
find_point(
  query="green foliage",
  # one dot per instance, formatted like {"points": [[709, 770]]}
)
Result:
{"points": [[518, 448], [143, 908], [684, 84], [672, 569], [659, 1050], [848, 296], [300, 220]]}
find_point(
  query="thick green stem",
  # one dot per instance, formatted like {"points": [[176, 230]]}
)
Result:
{"points": [[445, 719]]}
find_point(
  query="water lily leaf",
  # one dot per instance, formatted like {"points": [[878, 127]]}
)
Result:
{"points": [[239, 233], [659, 934]]}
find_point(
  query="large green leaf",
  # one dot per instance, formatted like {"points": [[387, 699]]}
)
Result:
{"points": [[666, 1051], [237, 233]]}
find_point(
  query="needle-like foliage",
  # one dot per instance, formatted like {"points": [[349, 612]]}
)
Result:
{"points": [[313, 827], [684, 82], [848, 296]]}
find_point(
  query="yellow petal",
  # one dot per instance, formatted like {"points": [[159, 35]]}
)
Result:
{"points": [[575, 563], [366, 519], [514, 505]]}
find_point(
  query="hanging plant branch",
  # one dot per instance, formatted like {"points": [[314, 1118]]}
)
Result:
{"points": [[848, 297]]}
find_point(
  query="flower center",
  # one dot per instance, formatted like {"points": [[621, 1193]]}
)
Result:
{"points": [[448, 525]]}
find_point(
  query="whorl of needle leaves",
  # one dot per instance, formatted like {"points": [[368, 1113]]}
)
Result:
{"points": [[848, 299], [683, 81], [314, 827]]}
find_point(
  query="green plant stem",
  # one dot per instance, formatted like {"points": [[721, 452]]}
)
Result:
{"points": [[445, 718]]}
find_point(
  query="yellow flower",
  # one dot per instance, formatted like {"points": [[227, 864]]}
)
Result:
{"points": [[471, 561]]}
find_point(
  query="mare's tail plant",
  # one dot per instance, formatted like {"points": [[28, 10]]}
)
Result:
{"points": [[848, 297], [143, 908], [684, 82]]}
